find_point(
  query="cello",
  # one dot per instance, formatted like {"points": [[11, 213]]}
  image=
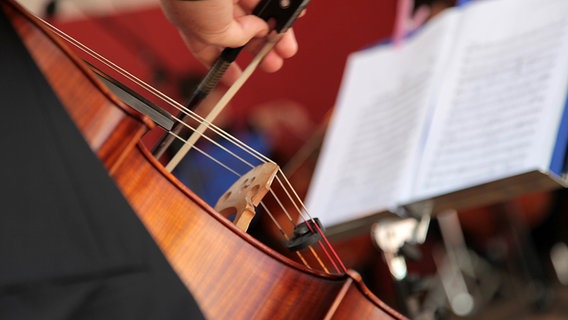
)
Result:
{"points": [[230, 274]]}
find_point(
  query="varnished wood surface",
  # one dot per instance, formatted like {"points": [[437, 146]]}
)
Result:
{"points": [[230, 274]]}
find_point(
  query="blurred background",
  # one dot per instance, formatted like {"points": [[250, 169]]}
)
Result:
{"points": [[518, 248]]}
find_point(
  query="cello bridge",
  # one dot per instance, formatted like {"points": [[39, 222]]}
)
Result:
{"points": [[246, 193]]}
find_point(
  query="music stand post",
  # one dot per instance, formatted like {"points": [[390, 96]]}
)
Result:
{"points": [[397, 238], [398, 234]]}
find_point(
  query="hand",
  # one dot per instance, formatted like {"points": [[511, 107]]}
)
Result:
{"points": [[209, 26]]}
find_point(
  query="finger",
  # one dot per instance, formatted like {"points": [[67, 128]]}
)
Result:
{"points": [[287, 46], [274, 60], [207, 55], [271, 62], [204, 53], [231, 75], [239, 32]]}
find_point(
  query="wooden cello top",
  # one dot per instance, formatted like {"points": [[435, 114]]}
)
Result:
{"points": [[230, 274]]}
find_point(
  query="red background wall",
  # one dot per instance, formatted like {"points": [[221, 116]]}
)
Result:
{"points": [[331, 29]]}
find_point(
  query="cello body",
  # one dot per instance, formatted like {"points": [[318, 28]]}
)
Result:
{"points": [[230, 274]]}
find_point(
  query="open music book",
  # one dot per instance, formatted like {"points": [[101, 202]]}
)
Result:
{"points": [[469, 110]]}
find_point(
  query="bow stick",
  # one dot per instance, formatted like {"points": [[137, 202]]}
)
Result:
{"points": [[281, 14]]}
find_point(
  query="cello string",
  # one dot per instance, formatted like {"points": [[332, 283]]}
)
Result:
{"points": [[332, 255], [168, 100], [175, 105], [194, 116], [223, 102], [284, 235], [327, 245], [210, 157]]}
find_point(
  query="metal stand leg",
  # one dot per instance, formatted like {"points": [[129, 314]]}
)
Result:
{"points": [[397, 238]]}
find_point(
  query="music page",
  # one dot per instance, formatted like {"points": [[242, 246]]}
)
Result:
{"points": [[376, 127], [502, 99]]}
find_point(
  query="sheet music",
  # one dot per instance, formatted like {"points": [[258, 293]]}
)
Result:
{"points": [[373, 136], [505, 88], [475, 97]]}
